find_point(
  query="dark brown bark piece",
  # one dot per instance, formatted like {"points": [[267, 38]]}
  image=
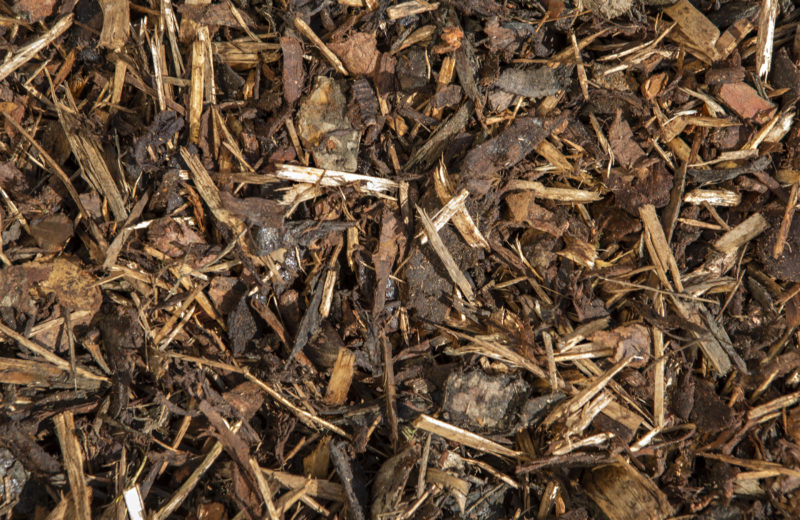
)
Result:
{"points": [[353, 480], [535, 83], [390, 481], [427, 154], [481, 402], [504, 151], [390, 242], [710, 413], [787, 265], [242, 326], [52, 232], [644, 180]]}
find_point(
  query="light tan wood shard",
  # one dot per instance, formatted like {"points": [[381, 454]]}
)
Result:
{"points": [[732, 37], [26, 53], [461, 217], [243, 55], [663, 257], [443, 216], [116, 24], [461, 436], [411, 8], [576, 402], [725, 198], [441, 250], [765, 37], [197, 89], [697, 32], [32, 373], [625, 494], [754, 464], [263, 489], [369, 4], [324, 489], [73, 462], [341, 378], [328, 54], [331, 178], [753, 226], [541, 191], [547, 150]]}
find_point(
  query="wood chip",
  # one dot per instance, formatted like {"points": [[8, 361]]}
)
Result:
{"points": [[753, 226]]}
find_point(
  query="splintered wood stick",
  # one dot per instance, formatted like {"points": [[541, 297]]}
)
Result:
{"points": [[663, 257], [753, 226], [558, 194], [765, 36], [73, 462], [574, 404], [26, 53], [341, 378], [46, 354], [197, 90], [307, 174], [461, 218], [190, 483], [461, 436], [443, 216], [328, 54], [786, 222], [441, 250]]}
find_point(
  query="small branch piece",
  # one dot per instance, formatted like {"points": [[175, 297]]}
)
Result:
{"points": [[26, 53]]}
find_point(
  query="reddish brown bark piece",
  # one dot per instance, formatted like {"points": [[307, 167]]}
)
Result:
{"points": [[626, 341], [34, 10], [64, 278], [644, 180], [358, 52], [52, 231], [225, 292], [626, 150], [523, 209], [293, 73], [745, 101], [389, 243]]}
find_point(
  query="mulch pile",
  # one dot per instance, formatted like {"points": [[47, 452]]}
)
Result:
{"points": [[386, 260]]}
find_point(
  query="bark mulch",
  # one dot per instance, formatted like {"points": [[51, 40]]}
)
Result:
{"points": [[384, 260]]}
